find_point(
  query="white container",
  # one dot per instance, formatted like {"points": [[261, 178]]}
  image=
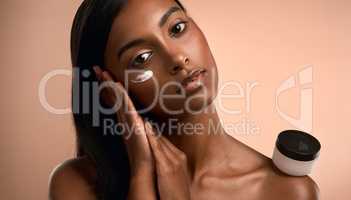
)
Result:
{"points": [[295, 152]]}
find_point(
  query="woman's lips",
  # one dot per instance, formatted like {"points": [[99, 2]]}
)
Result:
{"points": [[194, 82]]}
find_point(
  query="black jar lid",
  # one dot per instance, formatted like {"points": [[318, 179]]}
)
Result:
{"points": [[298, 145]]}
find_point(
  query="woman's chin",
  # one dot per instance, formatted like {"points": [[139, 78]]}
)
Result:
{"points": [[197, 103]]}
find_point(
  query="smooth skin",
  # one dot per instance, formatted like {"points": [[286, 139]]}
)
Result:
{"points": [[205, 166], [154, 153]]}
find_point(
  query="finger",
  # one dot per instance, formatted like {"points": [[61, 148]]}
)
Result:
{"points": [[109, 98], [169, 152], [177, 152], [130, 110], [127, 112], [123, 93], [98, 72], [105, 93], [112, 94], [107, 76], [156, 147], [120, 114], [132, 116], [113, 90], [169, 149], [108, 92]]}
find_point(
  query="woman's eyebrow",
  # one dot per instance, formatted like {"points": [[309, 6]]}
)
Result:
{"points": [[169, 12], [138, 41], [130, 45]]}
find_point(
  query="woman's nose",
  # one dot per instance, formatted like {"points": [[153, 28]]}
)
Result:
{"points": [[181, 62]]}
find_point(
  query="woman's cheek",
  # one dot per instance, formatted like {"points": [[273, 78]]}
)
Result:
{"points": [[142, 77]]}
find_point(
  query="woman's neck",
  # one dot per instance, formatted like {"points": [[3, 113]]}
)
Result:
{"points": [[202, 138]]}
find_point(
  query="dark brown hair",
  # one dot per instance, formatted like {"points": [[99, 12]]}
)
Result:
{"points": [[90, 30]]}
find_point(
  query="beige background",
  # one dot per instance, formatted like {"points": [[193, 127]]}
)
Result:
{"points": [[263, 41]]}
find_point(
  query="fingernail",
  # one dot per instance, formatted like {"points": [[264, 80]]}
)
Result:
{"points": [[148, 124], [151, 132], [97, 72], [104, 75], [96, 68]]}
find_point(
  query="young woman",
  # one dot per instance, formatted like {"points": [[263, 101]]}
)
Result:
{"points": [[160, 43]]}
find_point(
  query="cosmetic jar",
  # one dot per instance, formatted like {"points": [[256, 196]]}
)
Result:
{"points": [[295, 152]]}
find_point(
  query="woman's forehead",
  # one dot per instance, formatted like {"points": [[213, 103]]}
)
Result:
{"points": [[138, 18]]}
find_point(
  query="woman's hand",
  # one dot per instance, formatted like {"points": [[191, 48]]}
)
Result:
{"points": [[168, 161], [142, 178], [137, 145], [173, 180]]}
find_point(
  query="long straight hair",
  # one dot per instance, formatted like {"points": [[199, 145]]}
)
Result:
{"points": [[89, 34]]}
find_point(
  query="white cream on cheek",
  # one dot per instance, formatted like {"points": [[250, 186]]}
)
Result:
{"points": [[146, 75]]}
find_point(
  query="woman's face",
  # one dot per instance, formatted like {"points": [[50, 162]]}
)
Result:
{"points": [[158, 36]]}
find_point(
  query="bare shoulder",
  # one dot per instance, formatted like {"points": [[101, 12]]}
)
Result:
{"points": [[73, 179], [304, 188], [277, 185], [290, 187]]}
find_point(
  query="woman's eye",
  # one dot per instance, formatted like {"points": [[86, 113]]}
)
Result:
{"points": [[178, 28], [142, 58]]}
